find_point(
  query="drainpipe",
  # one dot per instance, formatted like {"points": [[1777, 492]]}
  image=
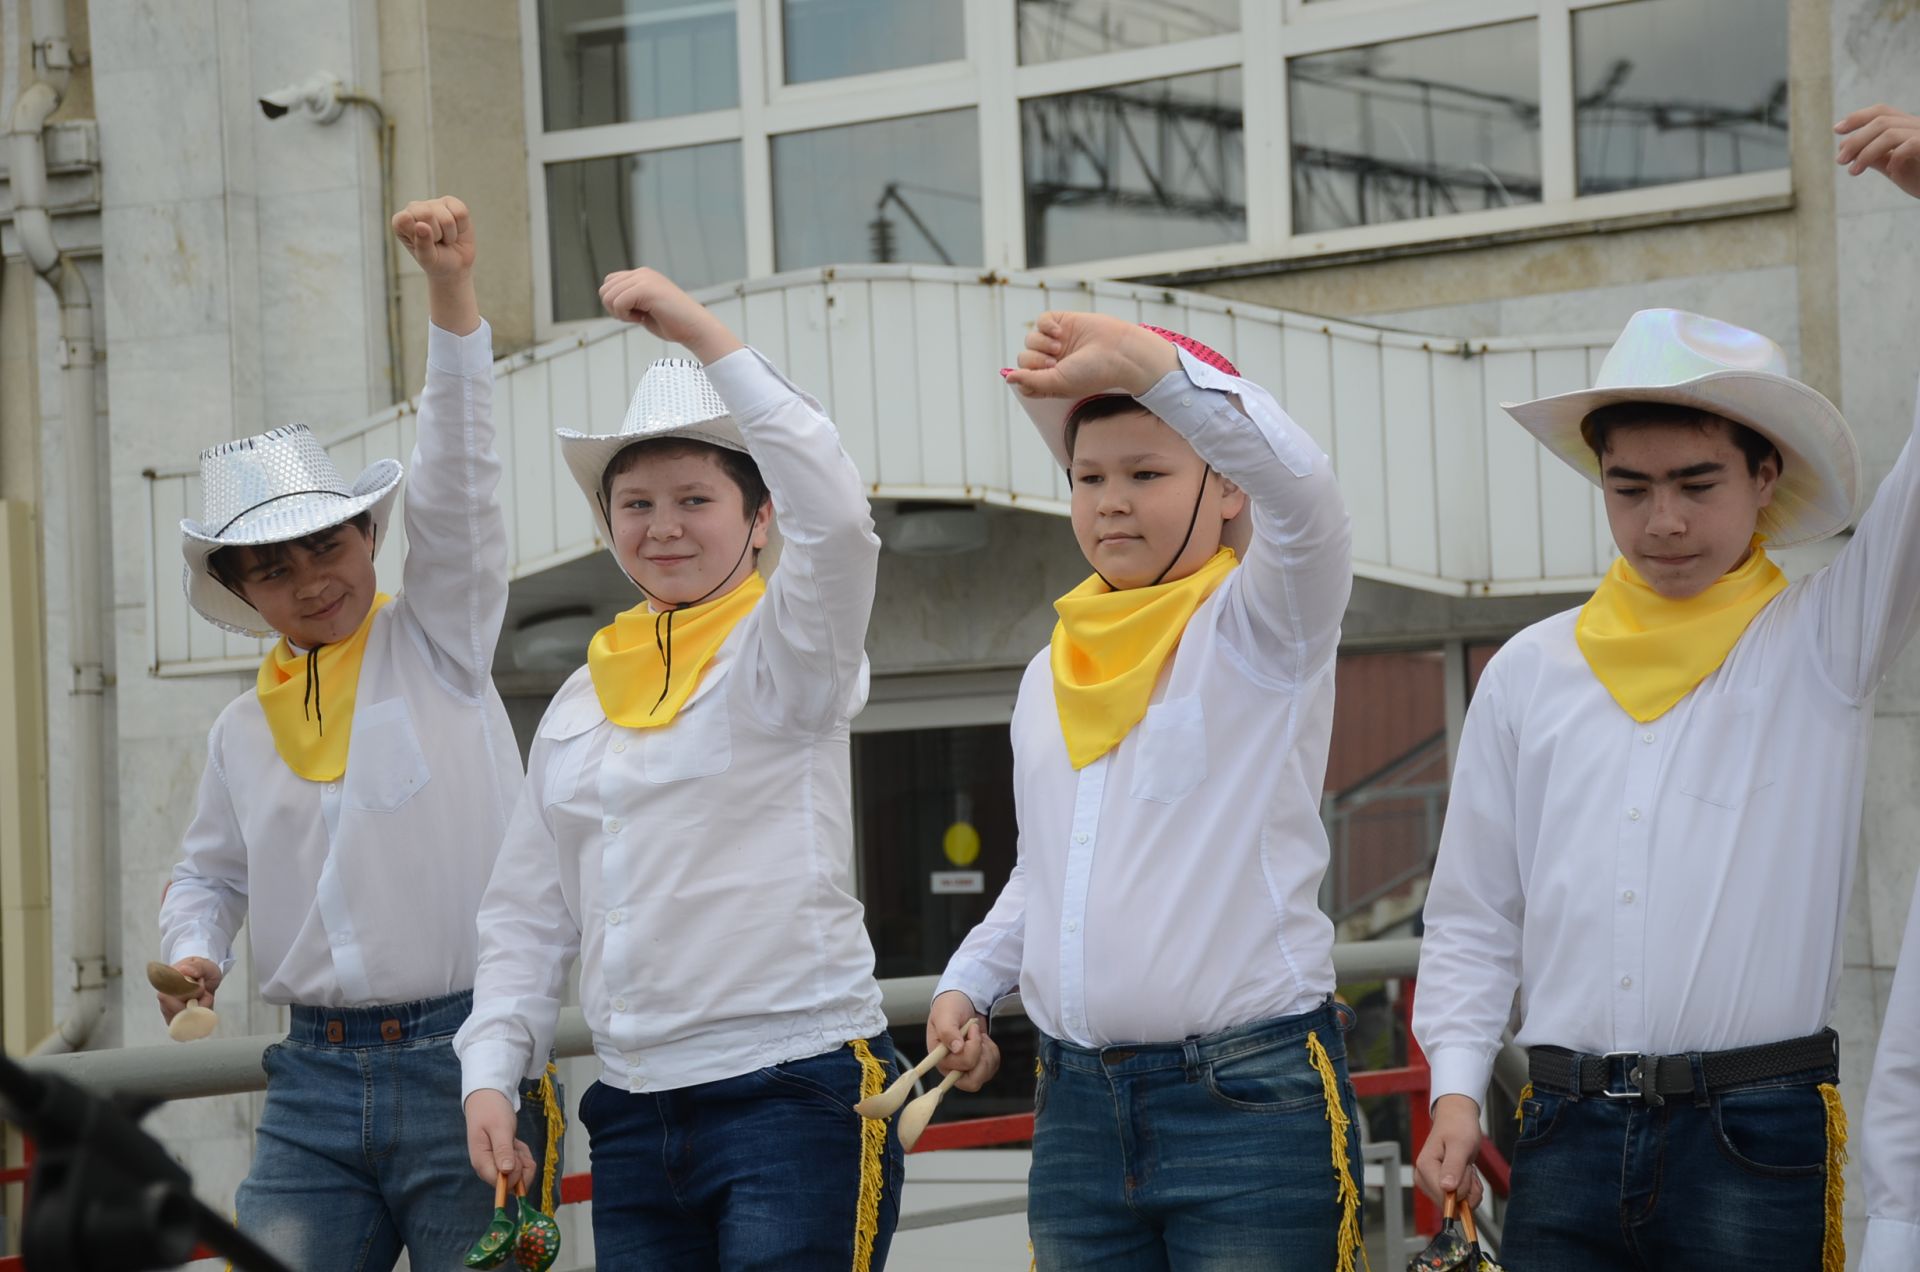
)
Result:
{"points": [[27, 173]]}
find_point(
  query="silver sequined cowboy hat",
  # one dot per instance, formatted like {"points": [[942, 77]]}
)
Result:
{"points": [[272, 488], [1669, 355], [1050, 415], [674, 399]]}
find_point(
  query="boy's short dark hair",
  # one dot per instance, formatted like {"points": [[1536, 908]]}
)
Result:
{"points": [[228, 564], [738, 465], [1604, 421], [1104, 407]]}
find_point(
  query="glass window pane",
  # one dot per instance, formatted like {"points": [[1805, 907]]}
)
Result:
{"points": [[611, 61], [1135, 168], [1416, 128], [1054, 30], [679, 211], [893, 190], [1651, 107], [826, 39]]}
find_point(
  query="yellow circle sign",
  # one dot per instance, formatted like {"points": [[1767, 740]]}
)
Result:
{"points": [[961, 843]]}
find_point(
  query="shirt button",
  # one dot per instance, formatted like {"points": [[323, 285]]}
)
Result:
{"points": [[341, 938], [1626, 982], [1080, 838], [619, 747], [332, 787], [1647, 738], [614, 916], [613, 825], [1072, 926], [619, 1004], [1633, 814], [1627, 896], [1186, 399]]}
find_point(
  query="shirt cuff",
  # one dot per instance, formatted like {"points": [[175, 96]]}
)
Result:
{"points": [[748, 383], [193, 944], [491, 1066], [1891, 1246], [1459, 1071], [1186, 399], [972, 982], [468, 355]]}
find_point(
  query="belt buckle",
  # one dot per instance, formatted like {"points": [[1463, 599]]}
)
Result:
{"points": [[1643, 1075]]}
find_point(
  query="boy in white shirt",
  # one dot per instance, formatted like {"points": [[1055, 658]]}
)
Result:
{"points": [[687, 832], [1655, 816], [354, 801], [1162, 920]]}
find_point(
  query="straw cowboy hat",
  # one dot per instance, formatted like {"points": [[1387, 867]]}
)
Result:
{"points": [[1668, 355], [274, 487], [1049, 415], [674, 399]]}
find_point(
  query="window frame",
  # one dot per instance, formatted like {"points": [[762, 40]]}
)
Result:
{"points": [[990, 81]]}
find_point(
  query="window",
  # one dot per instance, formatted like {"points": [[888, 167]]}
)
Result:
{"points": [[680, 209], [1416, 128], [1650, 106], [1053, 30], [827, 39], [611, 61], [1135, 168], [892, 190]]}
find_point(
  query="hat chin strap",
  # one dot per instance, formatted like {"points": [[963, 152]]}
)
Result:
{"points": [[1199, 497]]}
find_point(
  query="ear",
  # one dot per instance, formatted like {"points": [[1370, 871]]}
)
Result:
{"points": [[1766, 480], [762, 523], [1233, 500]]}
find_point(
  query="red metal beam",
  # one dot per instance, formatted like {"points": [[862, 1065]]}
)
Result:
{"points": [[979, 1132]]}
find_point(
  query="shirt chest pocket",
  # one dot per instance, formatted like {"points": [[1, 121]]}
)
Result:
{"points": [[385, 764], [1720, 760], [699, 742], [1171, 758]]}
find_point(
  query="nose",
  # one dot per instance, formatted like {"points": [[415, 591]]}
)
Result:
{"points": [[1113, 501], [1667, 518], [663, 526]]}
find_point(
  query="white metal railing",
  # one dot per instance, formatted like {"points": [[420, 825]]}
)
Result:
{"points": [[1447, 494]]}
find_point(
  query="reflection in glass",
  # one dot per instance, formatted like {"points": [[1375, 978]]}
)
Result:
{"points": [[1135, 168], [893, 190], [1416, 128], [612, 61], [677, 210], [1651, 106], [1053, 30], [825, 39]]}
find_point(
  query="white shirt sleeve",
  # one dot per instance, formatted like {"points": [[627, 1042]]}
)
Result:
{"points": [[207, 900], [812, 644], [1470, 954], [1290, 593], [454, 581], [1868, 598], [529, 937], [1890, 1138], [986, 967]]}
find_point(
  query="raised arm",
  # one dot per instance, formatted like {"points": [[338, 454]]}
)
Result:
{"points": [[812, 642], [1890, 1135], [455, 576]]}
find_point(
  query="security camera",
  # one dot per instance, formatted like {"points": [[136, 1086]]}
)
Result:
{"points": [[318, 97]]}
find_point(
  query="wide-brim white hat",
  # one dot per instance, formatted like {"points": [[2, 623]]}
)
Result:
{"points": [[1671, 356], [673, 399], [1050, 415], [274, 487]]}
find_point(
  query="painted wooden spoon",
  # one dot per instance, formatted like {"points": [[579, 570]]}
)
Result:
{"points": [[917, 1114], [888, 1102], [496, 1243], [538, 1242]]}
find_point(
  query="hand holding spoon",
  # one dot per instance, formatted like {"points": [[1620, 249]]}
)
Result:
{"points": [[193, 1021], [888, 1102]]}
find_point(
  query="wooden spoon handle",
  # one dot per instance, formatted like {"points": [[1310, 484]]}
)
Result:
{"points": [[499, 1192], [1466, 1223]]}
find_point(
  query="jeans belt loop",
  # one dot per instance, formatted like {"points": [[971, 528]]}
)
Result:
{"points": [[1695, 1061], [1190, 1060]]}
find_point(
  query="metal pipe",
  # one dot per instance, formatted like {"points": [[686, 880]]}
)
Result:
{"points": [[27, 173], [383, 132]]}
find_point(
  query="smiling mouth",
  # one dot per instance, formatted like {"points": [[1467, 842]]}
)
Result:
{"points": [[327, 612]]}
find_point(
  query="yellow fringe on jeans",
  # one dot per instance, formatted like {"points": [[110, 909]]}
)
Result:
{"points": [[1520, 1105], [1834, 1253], [873, 1158], [1350, 1241], [556, 1128]]}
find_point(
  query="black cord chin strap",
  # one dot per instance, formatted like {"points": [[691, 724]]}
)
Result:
{"points": [[1192, 521], [313, 691]]}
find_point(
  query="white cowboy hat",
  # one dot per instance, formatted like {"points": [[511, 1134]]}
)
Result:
{"points": [[273, 487], [1050, 414], [674, 399], [1671, 356]]}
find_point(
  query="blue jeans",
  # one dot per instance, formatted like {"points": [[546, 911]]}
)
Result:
{"points": [[771, 1171], [1213, 1154], [1734, 1180], [362, 1149]]}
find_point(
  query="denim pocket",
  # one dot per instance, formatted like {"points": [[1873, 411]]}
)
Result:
{"points": [[814, 1078], [1274, 1080], [589, 1102], [1539, 1114], [1779, 1132]]}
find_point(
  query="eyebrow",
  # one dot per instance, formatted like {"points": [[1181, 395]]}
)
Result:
{"points": [[1673, 474], [641, 487], [1124, 460]]}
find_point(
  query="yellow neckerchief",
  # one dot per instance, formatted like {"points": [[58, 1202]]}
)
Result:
{"points": [[1108, 648], [648, 663], [327, 677], [1650, 651]]}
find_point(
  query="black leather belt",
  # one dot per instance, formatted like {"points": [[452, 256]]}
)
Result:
{"points": [[1654, 1079]]}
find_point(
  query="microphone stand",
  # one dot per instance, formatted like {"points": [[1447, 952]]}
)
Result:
{"points": [[103, 1195]]}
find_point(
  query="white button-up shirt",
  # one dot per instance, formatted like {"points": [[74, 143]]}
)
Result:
{"points": [[363, 890], [1679, 885], [702, 870], [1890, 1132], [1171, 887]]}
